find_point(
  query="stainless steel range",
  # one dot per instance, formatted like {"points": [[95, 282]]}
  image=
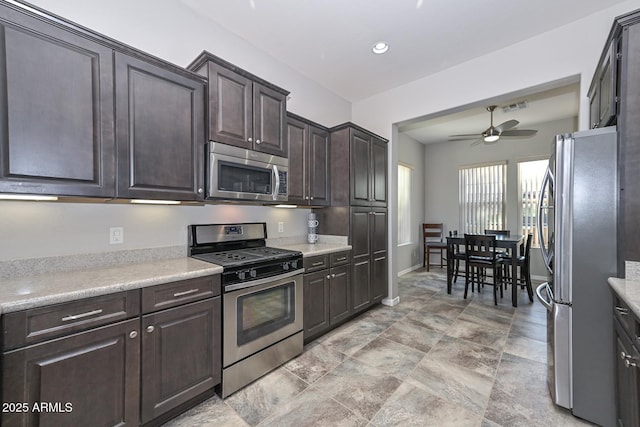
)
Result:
{"points": [[261, 302]]}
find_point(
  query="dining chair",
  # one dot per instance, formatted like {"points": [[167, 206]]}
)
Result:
{"points": [[457, 255], [524, 262], [480, 255], [432, 236]]}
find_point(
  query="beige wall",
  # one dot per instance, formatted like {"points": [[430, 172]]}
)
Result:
{"points": [[411, 153]]}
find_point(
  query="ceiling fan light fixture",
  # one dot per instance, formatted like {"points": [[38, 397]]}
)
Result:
{"points": [[380, 47], [491, 138]]}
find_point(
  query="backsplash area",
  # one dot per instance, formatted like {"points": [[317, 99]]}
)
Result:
{"points": [[632, 270], [52, 229]]}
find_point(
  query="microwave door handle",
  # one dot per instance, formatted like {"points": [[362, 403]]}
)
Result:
{"points": [[276, 188], [543, 248]]}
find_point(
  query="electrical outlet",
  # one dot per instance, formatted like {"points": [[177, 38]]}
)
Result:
{"points": [[116, 235], [281, 227]]}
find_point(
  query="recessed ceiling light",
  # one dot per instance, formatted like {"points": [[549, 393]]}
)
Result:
{"points": [[380, 48]]}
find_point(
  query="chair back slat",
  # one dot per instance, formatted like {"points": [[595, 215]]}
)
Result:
{"points": [[432, 232], [480, 246]]}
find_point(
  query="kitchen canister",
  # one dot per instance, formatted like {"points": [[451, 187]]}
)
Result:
{"points": [[312, 228]]}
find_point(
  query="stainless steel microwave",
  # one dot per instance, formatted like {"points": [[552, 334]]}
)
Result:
{"points": [[238, 174]]}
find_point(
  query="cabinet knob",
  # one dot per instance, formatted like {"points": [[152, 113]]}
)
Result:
{"points": [[150, 328], [250, 140], [133, 334], [329, 276], [257, 141], [200, 190], [306, 198], [311, 197], [333, 275]]}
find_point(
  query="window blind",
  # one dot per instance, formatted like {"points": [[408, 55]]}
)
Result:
{"points": [[482, 194]]}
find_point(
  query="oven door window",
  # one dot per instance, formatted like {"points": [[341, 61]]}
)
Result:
{"points": [[264, 312], [244, 179]]}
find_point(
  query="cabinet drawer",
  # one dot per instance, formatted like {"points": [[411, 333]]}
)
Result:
{"points": [[34, 325], [177, 293], [340, 258], [315, 263]]}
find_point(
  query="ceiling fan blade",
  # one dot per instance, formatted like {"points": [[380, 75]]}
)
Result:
{"points": [[507, 125], [465, 136], [519, 132], [477, 142]]}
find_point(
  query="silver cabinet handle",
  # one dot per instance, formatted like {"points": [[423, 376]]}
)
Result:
{"points": [[200, 190], [250, 139], [622, 311], [315, 264], [80, 316], [344, 258], [333, 275], [629, 361], [257, 141], [133, 334], [329, 276], [189, 292], [150, 328]]}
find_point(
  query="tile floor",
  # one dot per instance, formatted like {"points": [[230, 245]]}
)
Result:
{"points": [[432, 360]]}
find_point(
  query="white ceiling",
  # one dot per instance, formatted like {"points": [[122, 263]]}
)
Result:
{"points": [[330, 41]]}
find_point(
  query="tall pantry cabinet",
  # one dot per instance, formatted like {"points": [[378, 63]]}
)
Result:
{"points": [[359, 209]]}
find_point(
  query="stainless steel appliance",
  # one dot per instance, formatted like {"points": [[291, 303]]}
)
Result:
{"points": [[579, 199], [261, 301], [236, 173]]}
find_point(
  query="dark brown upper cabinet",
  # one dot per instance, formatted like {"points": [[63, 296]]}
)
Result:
{"points": [[309, 166], [159, 131], [244, 110], [603, 94], [56, 98], [358, 167]]}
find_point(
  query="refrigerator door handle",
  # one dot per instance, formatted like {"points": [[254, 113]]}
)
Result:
{"points": [[547, 301], [546, 181]]}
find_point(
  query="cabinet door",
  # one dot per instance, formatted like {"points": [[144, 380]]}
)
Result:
{"points": [[56, 98], [230, 107], [361, 267], [269, 120], [379, 285], [297, 134], [607, 88], [181, 355], [316, 303], [626, 381], [360, 168], [340, 294], [319, 167], [93, 376], [160, 132], [378, 172]]}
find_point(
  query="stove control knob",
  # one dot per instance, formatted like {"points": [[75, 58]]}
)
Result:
{"points": [[252, 273], [294, 265], [240, 275], [285, 266]]}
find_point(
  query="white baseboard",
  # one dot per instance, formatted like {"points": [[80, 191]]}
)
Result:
{"points": [[391, 301], [409, 270]]}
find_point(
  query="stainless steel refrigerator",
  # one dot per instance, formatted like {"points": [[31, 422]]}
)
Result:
{"points": [[578, 202]]}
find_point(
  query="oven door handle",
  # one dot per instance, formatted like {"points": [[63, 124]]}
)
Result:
{"points": [[259, 282]]}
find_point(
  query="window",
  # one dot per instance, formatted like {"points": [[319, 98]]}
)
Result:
{"points": [[404, 205], [482, 197], [530, 175]]}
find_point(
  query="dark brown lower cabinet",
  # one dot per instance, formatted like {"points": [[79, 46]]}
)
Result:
{"points": [[627, 357], [91, 378], [369, 246], [327, 293], [180, 355]]}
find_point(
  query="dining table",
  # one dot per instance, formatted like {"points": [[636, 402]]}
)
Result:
{"points": [[510, 242]]}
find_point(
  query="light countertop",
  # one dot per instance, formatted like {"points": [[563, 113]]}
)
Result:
{"points": [[629, 291], [314, 249], [24, 292]]}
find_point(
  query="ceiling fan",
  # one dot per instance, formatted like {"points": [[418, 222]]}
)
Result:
{"points": [[493, 133]]}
